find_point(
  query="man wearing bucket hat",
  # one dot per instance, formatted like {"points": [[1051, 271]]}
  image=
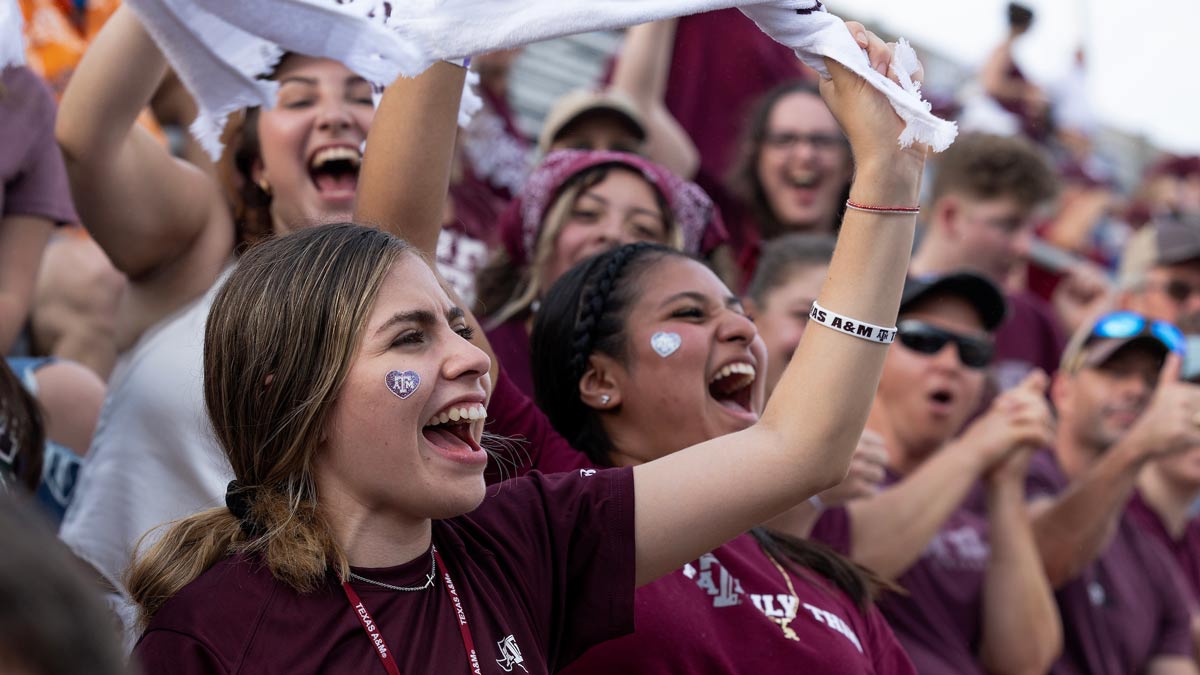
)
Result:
{"points": [[977, 598], [1121, 405]]}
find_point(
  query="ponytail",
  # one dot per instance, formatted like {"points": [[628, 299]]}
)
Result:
{"points": [[293, 539]]}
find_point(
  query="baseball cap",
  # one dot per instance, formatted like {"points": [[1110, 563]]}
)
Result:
{"points": [[978, 291], [575, 104], [1097, 342], [1164, 241]]}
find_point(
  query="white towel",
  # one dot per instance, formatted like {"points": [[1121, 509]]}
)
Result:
{"points": [[12, 40], [220, 48]]}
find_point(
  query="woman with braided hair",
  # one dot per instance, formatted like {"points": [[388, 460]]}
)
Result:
{"points": [[760, 601], [343, 386]]}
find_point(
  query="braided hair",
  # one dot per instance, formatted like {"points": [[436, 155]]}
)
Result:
{"points": [[584, 313]]}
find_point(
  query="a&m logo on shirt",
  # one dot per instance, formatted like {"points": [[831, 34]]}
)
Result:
{"points": [[510, 654]]}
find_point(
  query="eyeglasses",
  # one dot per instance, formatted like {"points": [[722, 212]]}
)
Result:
{"points": [[923, 338], [786, 140], [1178, 291], [1123, 325]]}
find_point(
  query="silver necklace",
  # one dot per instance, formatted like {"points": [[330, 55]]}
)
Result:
{"points": [[428, 578]]}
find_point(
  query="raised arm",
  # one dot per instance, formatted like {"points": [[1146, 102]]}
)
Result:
{"points": [[641, 74], [805, 438], [145, 208], [1022, 632], [891, 529], [1073, 528], [405, 175]]}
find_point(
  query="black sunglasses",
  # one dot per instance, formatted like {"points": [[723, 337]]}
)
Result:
{"points": [[924, 338]]}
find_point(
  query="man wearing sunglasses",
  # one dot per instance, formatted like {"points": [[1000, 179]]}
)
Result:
{"points": [[1120, 405], [981, 210], [1160, 273], [978, 599]]}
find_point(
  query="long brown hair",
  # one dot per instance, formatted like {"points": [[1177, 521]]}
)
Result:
{"points": [[280, 339], [743, 180]]}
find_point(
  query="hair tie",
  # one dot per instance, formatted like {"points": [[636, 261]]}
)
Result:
{"points": [[239, 499]]}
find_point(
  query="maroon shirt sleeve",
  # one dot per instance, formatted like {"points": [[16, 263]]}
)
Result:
{"points": [[833, 529], [166, 651], [1044, 479], [35, 178], [512, 415], [569, 538], [888, 657]]}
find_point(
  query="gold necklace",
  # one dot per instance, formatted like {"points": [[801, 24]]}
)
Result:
{"points": [[785, 623]]}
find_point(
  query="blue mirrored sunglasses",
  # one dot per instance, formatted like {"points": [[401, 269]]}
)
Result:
{"points": [[1123, 325]]}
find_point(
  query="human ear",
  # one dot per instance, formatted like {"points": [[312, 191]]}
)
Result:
{"points": [[600, 387]]}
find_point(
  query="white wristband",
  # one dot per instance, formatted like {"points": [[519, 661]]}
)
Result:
{"points": [[848, 326]]}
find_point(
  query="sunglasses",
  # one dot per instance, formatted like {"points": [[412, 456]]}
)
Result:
{"points": [[1178, 291], [1122, 325], [923, 338]]}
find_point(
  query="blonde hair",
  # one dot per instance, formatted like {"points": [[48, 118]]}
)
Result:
{"points": [[513, 290], [280, 340]]}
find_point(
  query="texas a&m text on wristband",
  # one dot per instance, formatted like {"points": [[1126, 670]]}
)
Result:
{"points": [[844, 324]]}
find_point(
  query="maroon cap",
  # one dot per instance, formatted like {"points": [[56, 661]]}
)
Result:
{"points": [[1176, 240]]}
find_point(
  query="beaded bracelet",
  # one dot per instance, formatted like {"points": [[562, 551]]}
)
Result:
{"points": [[893, 210], [848, 326]]}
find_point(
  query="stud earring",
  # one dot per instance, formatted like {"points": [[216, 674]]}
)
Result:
{"points": [[604, 399], [264, 186]]}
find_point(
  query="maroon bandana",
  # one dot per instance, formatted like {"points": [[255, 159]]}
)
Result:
{"points": [[691, 209]]}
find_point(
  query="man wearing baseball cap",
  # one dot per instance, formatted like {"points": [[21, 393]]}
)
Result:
{"points": [[1160, 273], [977, 598], [1120, 406]]}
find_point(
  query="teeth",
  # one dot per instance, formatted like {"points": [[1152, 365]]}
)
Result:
{"points": [[734, 368], [459, 414], [335, 154]]}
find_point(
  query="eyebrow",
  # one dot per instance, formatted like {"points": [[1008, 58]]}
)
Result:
{"points": [[730, 300], [310, 81], [422, 317]]}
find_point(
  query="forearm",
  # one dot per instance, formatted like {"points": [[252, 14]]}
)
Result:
{"points": [[115, 80], [644, 66], [1071, 530], [797, 521], [892, 528], [22, 241], [405, 175], [832, 378], [1021, 628]]}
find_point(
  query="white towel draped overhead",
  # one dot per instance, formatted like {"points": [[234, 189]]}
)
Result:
{"points": [[221, 48]]}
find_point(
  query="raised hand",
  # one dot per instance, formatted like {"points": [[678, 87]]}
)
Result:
{"points": [[1171, 422], [1018, 421]]}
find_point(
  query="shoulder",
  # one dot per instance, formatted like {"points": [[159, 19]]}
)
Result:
{"points": [[559, 494], [28, 88], [216, 615]]}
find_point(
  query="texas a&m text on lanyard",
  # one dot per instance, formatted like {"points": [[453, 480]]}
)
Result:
{"points": [[386, 657]]}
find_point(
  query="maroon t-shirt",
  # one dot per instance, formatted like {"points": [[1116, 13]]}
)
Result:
{"points": [[714, 614], [1031, 337], [31, 166], [544, 568], [1126, 607], [721, 614], [1185, 550], [940, 619]]}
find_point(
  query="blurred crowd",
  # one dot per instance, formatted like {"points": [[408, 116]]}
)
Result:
{"points": [[1023, 498]]}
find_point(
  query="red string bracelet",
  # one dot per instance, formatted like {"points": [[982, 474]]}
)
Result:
{"points": [[897, 210]]}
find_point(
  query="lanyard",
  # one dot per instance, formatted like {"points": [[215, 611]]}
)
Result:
{"points": [[373, 633]]}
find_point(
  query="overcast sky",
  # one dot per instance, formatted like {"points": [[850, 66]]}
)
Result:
{"points": [[1143, 74]]}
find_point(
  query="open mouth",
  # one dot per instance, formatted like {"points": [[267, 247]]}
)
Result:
{"points": [[334, 171], [802, 179], [456, 428], [942, 400], [730, 386]]}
